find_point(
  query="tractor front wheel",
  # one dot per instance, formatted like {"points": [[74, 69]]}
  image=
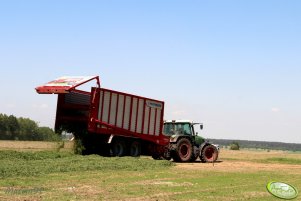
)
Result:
{"points": [[209, 154]]}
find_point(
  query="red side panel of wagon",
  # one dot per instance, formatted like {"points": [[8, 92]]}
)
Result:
{"points": [[128, 115]]}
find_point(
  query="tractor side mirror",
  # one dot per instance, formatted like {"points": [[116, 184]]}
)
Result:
{"points": [[201, 126], [196, 133]]}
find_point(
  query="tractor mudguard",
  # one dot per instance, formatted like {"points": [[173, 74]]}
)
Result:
{"points": [[208, 143], [203, 145]]}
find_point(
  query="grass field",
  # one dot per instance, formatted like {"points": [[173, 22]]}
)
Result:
{"points": [[35, 145], [59, 175]]}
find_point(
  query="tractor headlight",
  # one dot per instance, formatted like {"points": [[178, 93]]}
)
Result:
{"points": [[172, 138]]}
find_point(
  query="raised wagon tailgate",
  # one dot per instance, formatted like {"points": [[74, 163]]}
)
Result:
{"points": [[65, 84]]}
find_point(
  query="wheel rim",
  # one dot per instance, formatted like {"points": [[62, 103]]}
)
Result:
{"points": [[184, 151], [209, 153]]}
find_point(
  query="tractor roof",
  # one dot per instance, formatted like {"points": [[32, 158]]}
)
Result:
{"points": [[178, 121], [181, 121]]}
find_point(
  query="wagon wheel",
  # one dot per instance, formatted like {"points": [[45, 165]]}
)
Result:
{"points": [[119, 148], [135, 149]]}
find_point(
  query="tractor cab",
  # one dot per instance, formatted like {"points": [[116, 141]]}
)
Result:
{"points": [[177, 128], [180, 127]]}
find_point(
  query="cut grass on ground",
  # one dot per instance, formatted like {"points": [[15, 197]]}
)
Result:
{"points": [[50, 175], [13, 163]]}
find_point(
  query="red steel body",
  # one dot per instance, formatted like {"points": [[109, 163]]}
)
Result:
{"points": [[106, 112], [128, 115]]}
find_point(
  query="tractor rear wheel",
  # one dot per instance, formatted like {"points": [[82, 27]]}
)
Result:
{"points": [[184, 151], [209, 154]]}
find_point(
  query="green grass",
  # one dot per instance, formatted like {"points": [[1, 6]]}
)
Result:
{"points": [[13, 163], [282, 161], [50, 175], [278, 160]]}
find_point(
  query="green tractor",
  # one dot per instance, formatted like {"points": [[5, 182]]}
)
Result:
{"points": [[185, 144]]}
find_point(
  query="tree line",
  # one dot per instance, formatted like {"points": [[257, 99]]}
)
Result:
{"points": [[13, 128], [259, 144]]}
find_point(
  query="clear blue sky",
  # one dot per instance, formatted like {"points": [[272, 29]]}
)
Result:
{"points": [[233, 65]]}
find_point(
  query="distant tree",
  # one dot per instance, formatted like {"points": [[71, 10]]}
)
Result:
{"points": [[13, 126], [46, 133], [3, 126], [234, 146], [9, 127], [28, 129], [259, 144]]}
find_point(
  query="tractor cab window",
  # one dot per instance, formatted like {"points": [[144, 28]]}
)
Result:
{"points": [[184, 128], [168, 129], [177, 129]]}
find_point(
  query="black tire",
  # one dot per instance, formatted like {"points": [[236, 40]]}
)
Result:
{"points": [[119, 148], [194, 158], [196, 153], [183, 151], [157, 157], [209, 154], [176, 158], [135, 149]]}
